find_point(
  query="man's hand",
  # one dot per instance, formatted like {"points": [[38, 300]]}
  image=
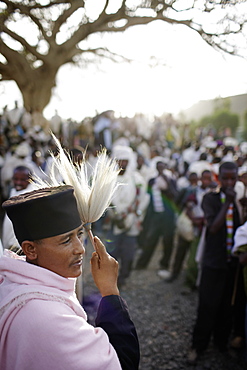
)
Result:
{"points": [[243, 258], [104, 270], [230, 194], [243, 201]]}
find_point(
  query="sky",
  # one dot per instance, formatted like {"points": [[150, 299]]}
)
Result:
{"points": [[189, 70]]}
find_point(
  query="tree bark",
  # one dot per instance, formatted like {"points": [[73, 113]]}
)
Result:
{"points": [[37, 89]]}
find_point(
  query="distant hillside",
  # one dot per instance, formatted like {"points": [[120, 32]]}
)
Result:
{"points": [[238, 104]]}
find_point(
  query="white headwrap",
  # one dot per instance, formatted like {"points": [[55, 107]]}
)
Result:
{"points": [[122, 152]]}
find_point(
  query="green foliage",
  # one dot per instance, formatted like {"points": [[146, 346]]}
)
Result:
{"points": [[244, 132], [220, 120], [225, 119], [222, 104]]}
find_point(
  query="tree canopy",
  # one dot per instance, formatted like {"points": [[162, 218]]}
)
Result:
{"points": [[38, 37]]}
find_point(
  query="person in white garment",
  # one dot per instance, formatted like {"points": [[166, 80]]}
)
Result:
{"points": [[20, 184], [129, 205]]}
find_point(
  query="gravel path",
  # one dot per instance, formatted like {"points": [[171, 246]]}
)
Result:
{"points": [[164, 315]]}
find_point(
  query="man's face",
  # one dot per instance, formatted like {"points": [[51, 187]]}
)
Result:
{"points": [[160, 167], [206, 180], [193, 179], [140, 161], [62, 254], [123, 163], [20, 180], [228, 178]]}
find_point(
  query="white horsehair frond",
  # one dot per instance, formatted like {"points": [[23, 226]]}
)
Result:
{"points": [[93, 194]]}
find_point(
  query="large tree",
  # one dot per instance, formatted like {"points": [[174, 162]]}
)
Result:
{"points": [[38, 37]]}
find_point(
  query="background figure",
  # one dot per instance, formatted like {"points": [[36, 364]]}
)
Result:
{"points": [[37, 165], [13, 159], [102, 129], [1, 248], [240, 250], [56, 124], [129, 203], [159, 221], [242, 175], [219, 269], [20, 184], [142, 167], [201, 165], [191, 204]]}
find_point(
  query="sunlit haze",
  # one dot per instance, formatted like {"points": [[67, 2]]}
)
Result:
{"points": [[189, 70]]}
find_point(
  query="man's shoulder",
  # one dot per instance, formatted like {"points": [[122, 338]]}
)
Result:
{"points": [[151, 181], [46, 308], [211, 196], [139, 179]]}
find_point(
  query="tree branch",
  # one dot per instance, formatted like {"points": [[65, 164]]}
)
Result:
{"points": [[96, 26], [34, 5], [24, 10], [131, 21], [75, 5], [5, 72], [106, 53], [17, 68], [24, 43]]}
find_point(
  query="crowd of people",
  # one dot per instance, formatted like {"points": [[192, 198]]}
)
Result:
{"points": [[189, 194]]}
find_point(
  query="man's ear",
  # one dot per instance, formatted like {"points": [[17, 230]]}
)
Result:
{"points": [[29, 249]]}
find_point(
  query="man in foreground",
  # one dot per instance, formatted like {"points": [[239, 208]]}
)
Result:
{"points": [[42, 324]]}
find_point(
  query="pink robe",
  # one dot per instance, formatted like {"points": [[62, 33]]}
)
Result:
{"points": [[42, 324]]}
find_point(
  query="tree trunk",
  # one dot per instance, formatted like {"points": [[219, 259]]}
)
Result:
{"points": [[36, 88]]}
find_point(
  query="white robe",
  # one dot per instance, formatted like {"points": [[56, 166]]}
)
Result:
{"points": [[8, 234]]}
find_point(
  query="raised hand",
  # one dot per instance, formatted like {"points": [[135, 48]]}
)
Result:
{"points": [[104, 270]]}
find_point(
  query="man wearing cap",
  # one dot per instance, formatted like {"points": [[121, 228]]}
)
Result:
{"points": [[42, 324]]}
